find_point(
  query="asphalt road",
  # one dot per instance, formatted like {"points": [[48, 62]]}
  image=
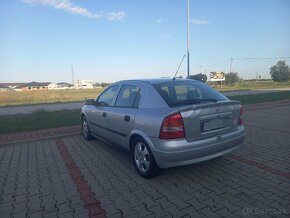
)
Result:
{"points": [[253, 92], [77, 105]]}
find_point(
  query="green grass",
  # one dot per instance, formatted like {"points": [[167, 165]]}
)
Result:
{"points": [[252, 85], [259, 98], [43, 97], [44, 119], [38, 120]]}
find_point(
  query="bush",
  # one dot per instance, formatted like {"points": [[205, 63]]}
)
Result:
{"points": [[232, 78], [200, 77], [280, 72]]}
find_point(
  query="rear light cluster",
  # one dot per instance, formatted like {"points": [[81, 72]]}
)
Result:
{"points": [[241, 116], [172, 127]]}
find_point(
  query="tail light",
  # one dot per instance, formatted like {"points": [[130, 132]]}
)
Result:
{"points": [[241, 116], [172, 127]]}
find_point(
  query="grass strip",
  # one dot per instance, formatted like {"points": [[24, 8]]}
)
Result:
{"points": [[259, 98], [38, 120], [44, 120], [46, 97]]}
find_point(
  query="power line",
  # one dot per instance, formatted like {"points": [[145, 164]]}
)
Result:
{"points": [[209, 65], [263, 58], [242, 58], [256, 58], [221, 62]]}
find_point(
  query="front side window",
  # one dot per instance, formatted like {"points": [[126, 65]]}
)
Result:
{"points": [[129, 97], [107, 96]]}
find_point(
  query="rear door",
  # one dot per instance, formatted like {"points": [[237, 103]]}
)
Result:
{"points": [[98, 114], [122, 115]]}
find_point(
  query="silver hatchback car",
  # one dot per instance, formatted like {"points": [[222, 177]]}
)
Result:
{"points": [[164, 122]]}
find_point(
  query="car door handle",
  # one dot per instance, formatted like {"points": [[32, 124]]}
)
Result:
{"points": [[127, 118], [104, 114]]}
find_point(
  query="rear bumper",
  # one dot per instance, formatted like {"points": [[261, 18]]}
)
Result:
{"points": [[170, 153]]}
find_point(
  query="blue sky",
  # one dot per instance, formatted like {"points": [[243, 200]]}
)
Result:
{"points": [[110, 40]]}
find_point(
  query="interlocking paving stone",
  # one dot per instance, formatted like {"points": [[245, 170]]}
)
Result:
{"points": [[35, 180], [216, 185], [90, 202], [39, 182]]}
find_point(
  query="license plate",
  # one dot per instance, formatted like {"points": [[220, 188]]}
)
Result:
{"points": [[212, 125]]}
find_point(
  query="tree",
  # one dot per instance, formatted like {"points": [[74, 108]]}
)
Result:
{"points": [[280, 72], [200, 77], [232, 78]]}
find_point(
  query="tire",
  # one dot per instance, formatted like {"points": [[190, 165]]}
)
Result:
{"points": [[86, 132], [143, 159]]}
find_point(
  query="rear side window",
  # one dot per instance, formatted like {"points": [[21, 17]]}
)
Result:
{"points": [[108, 95], [176, 93], [129, 97]]}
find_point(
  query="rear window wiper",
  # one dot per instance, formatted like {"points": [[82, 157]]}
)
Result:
{"points": [[206, 100]]}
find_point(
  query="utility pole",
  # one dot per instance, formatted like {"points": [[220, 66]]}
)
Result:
{"points": [[188, 66], [231, 64], [72, 74]]}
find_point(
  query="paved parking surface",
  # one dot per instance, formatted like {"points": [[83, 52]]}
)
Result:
{"points": [[71, 177]]}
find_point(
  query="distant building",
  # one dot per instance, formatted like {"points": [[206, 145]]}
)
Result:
{"points": [[12, 85], [61, 85], [33, 86], [84, 84], [64, 85], [4, 88], [53, 86]]}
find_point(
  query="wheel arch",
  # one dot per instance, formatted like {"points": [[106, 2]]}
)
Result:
{"points": [[139, 134], [83, 115]]}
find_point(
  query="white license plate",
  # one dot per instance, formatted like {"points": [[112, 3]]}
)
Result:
{"points": [[213, 124]]}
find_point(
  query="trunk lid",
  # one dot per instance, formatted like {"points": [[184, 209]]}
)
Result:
{"points": [[210, 119]]}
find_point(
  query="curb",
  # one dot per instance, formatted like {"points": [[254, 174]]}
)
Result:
{"points": [[40, 138], [39, 134]]}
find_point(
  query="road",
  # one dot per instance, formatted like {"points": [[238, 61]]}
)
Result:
{"points": [[70, 177], [253, 92], [77, 105]]}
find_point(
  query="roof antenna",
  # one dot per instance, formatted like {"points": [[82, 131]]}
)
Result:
{"points": [[178, 67]]}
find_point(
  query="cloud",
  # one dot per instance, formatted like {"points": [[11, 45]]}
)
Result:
{"points": [[115, 16], [157, 22], [68, 6], [200, 21]]}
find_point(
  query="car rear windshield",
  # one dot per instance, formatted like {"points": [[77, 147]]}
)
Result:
{"points": [[177, 93]]}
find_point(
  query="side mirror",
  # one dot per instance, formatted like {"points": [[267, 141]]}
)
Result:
{"points": [[90, 102]]}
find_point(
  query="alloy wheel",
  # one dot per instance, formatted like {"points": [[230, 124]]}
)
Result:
{"points": [[142, 157]]}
